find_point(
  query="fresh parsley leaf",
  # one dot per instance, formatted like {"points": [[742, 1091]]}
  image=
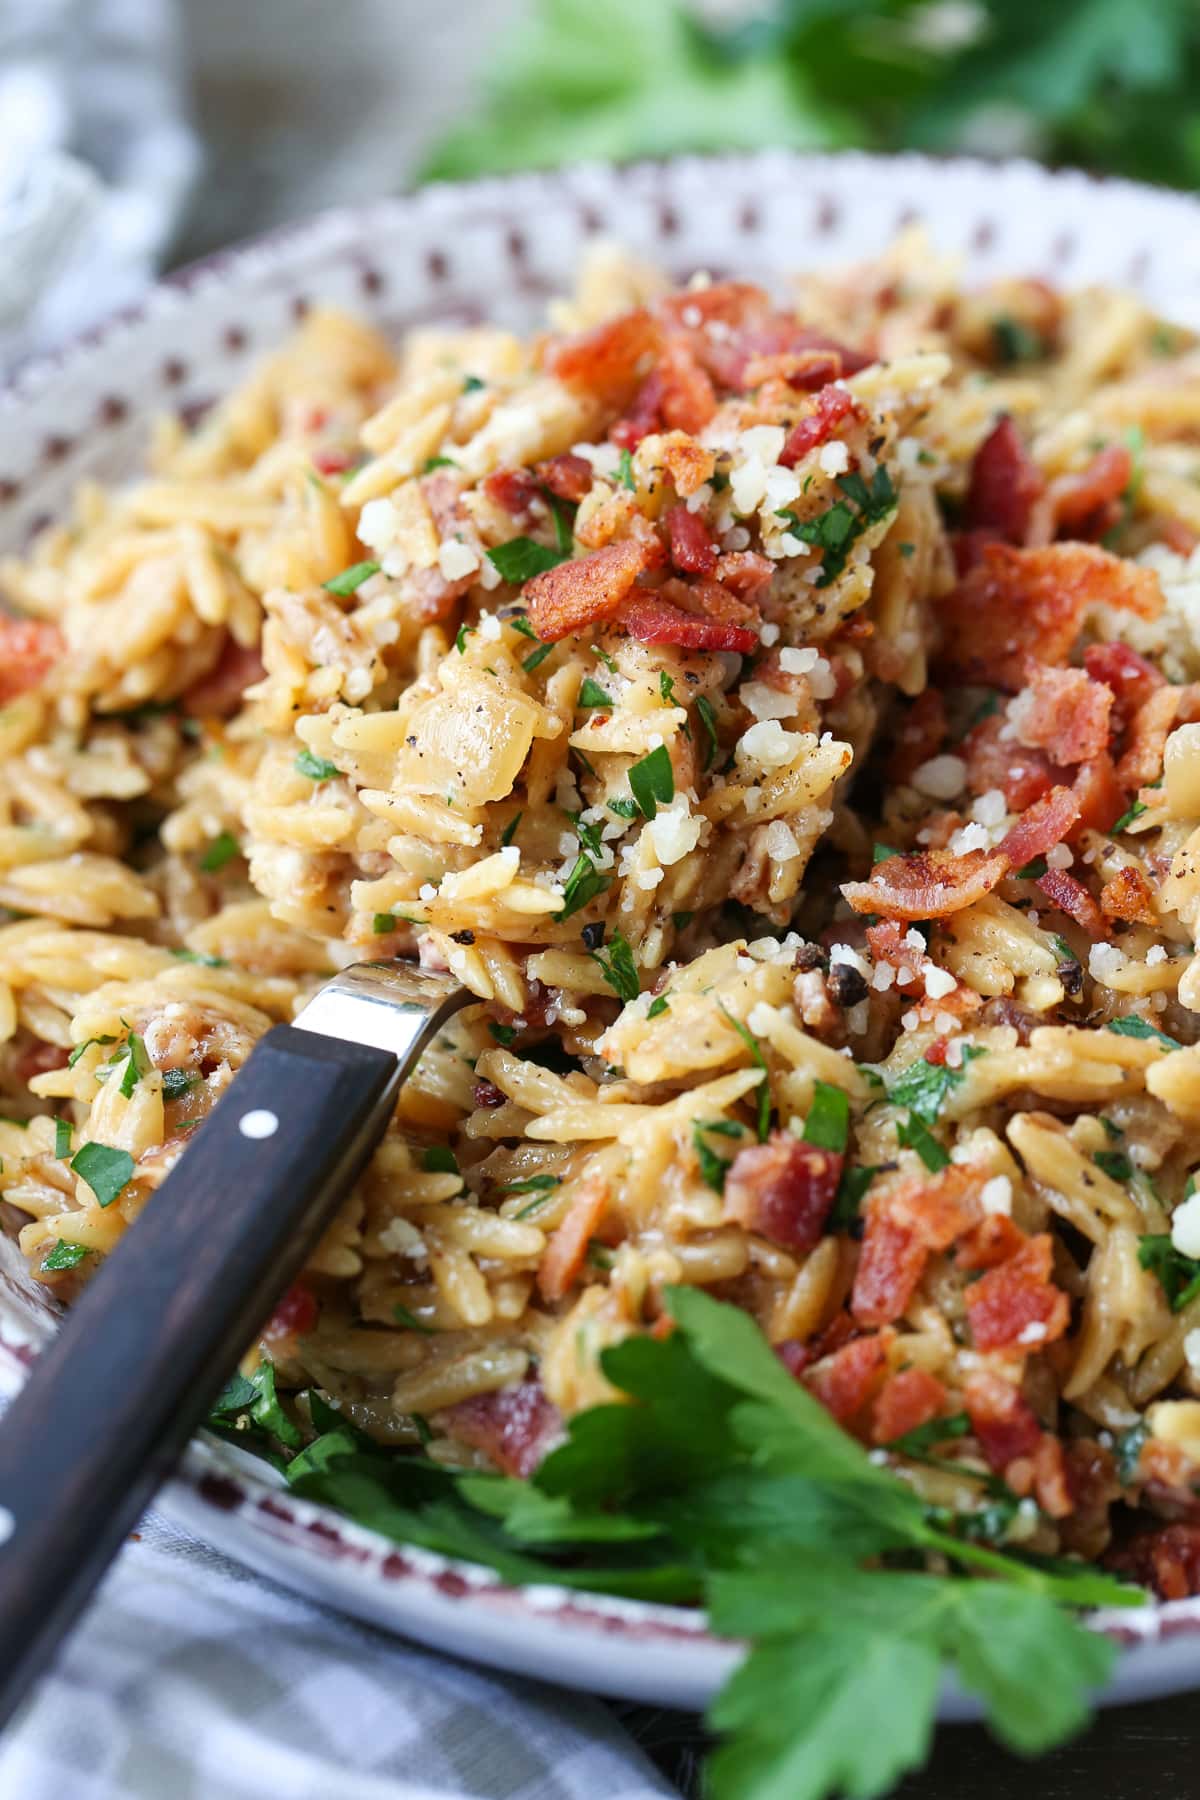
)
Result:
{"points": [[194, 956], [521, 558], [1014, 342], [1126, 819], [828, 1121], [927, 1437], [709, 721], [624, 809], [256, 1397], [882, 853], [666, 687], [713, 1168], [914, 1135], [317, 768], [764, 1088], [1136, 1027], [503, 1034], [177, 1082], [472, 384], [536, 658], [657, 1006], [1033, 871], [351, 579], [532, 1184], [608, 661], [410, 1320], [439, 1159], [137, 1064], [65, 1256], [438, 462], [583, 884], [652, 781], [106, 1171], [618, 968], [1178, 1275], [221, 850], [79, 1049], [62, 1139], [836, 530], [592, 694], [383, 923], [461, 636], [625, 471], [851, 1192], [510, 830], [1115, 1164]]}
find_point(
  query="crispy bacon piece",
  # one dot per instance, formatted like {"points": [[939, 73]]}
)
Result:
{"points": [[1040, 827], [906, 1401], [1019, 603], [513, 490], [219, 693], [1166, 1559], [1051, 1478], [1004, 485], [610, 359], [784, 1190], [806, 370], [516, 1427], [652, 620], [676, 396], [1064, 713], [1015, 1298], [1099, 794], [578, 593], [927, 884], [1129, 676], [1128, 896], [904, 1225], [1001, 1418], [746, 573], [1086, 505], [569, 477], [845, 1381], [830, 407], [1151, 725], [920, 735], [994, 761], [564, 1254], [295, 1316], [1071, 897], [28, 650], [994, 1239], [692, 549]]}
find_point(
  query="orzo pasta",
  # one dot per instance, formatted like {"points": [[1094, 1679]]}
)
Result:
{"points": [[784, 716]]}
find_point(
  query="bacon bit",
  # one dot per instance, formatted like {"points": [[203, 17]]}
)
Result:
{"points": [[219, 693], [28, 650], [295, 1316], [938, 1208], [487, 1095], [992, 1241], [807, 370], [1064, 713], [516, 1427], [831, 406], [1017, 1294], [654, 621], [1166, 1559], [569, 477], [889, 943], [1087, 504], [38, 1058], [688, 463], [1051, 1478], [334, 462], [566, 1248], [921, 734], [747, 573], [676, 396], [692, 549], [1072, 898], [576, 594], [1040, 827], [906, 1401], [1099, 794], [1149, 730], [1128, 896], [514, 491], [1002, 1420], [994, 761], [1017, 603], [845, 1381], [920, 1215], [927, 884], [609, 359], [784, 1190], [1129, 676], [1005, 484]]}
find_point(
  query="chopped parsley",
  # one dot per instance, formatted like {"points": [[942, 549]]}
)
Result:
{"points": [[625, 471], [1126, 819], [836, 530], [657, 1006], [828, 1122], [713, 1168], [107, 1172], [914, 1135], [438, 462], [503, 1034], [1136, 1027], [608, 661], [532, 1184], [62, 1139], [618, 968], [709, 721], [1115, 1164], [666, 686], [382, 923], [178, 1082], [522, 558], [461, 636], [410, 1320], [351, 579], [195, 956], [510, 830], [1013, 342], [923, 1087], [137, 1064], [624, 809], [87, 1043], [439, 1159], [927, 1437], [652, 781], [472, 384], [65, 1256], [1178, 1275], [221, 850], [317, 768], [759, 1060], [583, 884], [882, 853], [592, 694], [536, 658]]}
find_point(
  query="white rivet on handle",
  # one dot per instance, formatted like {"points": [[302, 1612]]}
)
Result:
{"points": [[7, 1524], [260, 1124]]}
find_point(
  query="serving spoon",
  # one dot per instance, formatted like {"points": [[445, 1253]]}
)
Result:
{"points": [[114, 1397]]}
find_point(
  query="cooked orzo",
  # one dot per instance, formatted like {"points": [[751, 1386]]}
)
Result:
{"points": [[784, 715]]}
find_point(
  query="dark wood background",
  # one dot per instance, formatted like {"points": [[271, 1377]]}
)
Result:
{"points": [[303, 104]]}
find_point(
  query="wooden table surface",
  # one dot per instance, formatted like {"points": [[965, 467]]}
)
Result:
{"points": [[304, 104]]}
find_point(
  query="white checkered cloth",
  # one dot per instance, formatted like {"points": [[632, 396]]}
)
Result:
{"points": [[191, 1679]]}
